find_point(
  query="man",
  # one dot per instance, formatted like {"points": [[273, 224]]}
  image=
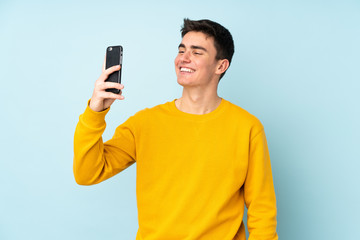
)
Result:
{"points": [[198, 158]]}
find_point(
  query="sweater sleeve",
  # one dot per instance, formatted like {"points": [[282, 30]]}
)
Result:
{"points": [[259, 190], [95, 161]]}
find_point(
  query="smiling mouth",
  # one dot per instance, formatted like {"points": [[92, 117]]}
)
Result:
{"points": [[189, 70]]}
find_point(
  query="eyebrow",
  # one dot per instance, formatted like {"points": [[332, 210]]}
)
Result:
{"points": [[181, 45]]}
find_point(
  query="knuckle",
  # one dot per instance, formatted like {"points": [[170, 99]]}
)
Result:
{"points": [[98, 87]]}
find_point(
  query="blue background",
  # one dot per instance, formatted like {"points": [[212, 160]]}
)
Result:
{"points": [[296, 67]]}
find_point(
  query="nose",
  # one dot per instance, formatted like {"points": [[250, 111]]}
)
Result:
{"points": [[185, 57]]}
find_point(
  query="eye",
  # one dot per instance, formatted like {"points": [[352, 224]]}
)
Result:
{"points": [[181, 50], [197, 53]]}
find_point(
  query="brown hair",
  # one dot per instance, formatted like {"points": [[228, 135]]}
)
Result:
{"points": [[223, 40]]}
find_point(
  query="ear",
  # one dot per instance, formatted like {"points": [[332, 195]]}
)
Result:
{"points": [[222, 66]]}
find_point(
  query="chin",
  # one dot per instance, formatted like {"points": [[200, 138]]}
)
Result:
{"points": [[185, 82]]}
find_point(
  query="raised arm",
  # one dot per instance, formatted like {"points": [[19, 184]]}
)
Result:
{"points": [[95, 161]]}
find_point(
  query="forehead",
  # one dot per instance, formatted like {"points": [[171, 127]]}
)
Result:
{"points": [[198, 39]]}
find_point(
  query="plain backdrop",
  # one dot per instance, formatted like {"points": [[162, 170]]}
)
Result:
{"points": [[296, 67]]}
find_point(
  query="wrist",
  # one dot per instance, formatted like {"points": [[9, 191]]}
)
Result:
{"points": [[96, 107]]}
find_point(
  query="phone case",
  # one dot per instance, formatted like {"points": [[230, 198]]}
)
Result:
{"points": [[114, 57]]}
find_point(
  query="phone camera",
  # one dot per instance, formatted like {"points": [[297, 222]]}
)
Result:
{"points": [[110, 48]]}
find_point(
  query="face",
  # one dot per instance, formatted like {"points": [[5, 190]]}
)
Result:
{"points": [[195, 64]]}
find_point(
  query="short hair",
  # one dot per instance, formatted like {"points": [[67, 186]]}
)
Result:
{"points": [[223, 40]]}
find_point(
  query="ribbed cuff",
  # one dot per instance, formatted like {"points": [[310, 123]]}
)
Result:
{"points": [[92, 118]]}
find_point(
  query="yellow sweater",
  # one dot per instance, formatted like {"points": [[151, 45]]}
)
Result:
{"points": [[193, 172]]}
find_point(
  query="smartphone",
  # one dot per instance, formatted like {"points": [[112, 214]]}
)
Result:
{"points": [[114, 56]]}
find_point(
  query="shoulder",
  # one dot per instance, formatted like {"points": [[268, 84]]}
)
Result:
{"points": [[243, 117], [145, 117], [241, 113], [154, 112]]}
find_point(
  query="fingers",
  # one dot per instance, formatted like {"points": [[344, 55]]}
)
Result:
{"points": [[106, 85], [102, 99], [105, 74], [101, 86], [110, 95]]}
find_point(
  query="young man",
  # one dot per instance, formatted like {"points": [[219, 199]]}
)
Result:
{"points": [[198, 158]]}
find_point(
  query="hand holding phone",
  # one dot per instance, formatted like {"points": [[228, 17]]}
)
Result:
{"points": [[107, 86], [114, 57]]}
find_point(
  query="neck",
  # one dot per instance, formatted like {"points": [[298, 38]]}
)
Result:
{"points": [[196, 101]]}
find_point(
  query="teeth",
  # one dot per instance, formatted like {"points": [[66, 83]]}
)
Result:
{"points": [[186, 70]]}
